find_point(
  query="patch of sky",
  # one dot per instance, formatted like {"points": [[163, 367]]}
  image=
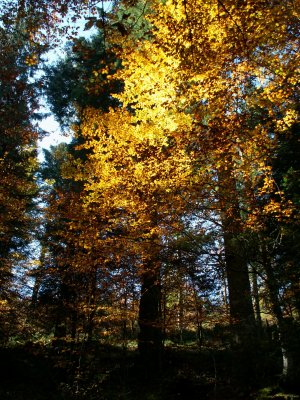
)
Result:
{"points": [[53, 133]]}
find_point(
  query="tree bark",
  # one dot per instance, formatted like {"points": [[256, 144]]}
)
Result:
{"points": [[240, 300], [150, 337], [239, 288]]}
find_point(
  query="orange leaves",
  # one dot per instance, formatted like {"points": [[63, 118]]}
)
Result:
{"points": [[208, 92], [237, 67], [126, 156], [134, 171]]}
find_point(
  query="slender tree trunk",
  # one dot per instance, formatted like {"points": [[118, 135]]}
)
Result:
{"points": [[284, 330], [199, 318], [256, 300], [92, 304], [38, 277], [74, 320], [225, 287], [181, 310], [35, 289]]}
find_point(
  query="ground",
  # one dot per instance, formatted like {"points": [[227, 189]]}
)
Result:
{"points": [[94, 371]]}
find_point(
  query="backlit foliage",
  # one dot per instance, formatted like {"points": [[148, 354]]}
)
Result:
{"points": [[207, 95], [228, 72]]}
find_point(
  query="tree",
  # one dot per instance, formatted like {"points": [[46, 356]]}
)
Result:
{"points": [[131, 179], [278, 249], [83, 79], [205, 79], [74, 271], [18, 163]]}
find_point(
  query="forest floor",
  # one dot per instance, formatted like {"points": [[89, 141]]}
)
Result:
{"points": [[105, 372]]}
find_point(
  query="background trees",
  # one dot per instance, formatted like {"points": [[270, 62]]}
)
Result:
{"points": [[18, 165]]}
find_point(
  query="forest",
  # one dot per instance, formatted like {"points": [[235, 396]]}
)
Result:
{"points": [[156, 255]]}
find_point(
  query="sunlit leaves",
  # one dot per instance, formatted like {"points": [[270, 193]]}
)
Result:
{"points": [[132, 166]]}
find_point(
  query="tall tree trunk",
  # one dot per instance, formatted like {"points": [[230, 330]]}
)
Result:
{"points": [[245, 350], [150, 342], [240, 301], [239, 288]]}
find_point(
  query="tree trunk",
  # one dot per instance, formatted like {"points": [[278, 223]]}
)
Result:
{"points": [[239, 288], [181, 310], [150, 336], [256, 300], [245, 349], [91, 304], [240, 301], [199, 318], [283, 326]]}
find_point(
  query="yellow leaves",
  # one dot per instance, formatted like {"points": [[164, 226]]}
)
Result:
{"points": [[281, 210], [290, 118], [101, 71], [212, 78], [149, 79], [31, 60], [133, 167]]}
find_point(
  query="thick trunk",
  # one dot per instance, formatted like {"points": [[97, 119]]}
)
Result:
{"points": [[239, 289], [74, 320], [240, 301], [245, 345], [150, 339], [150, 336]]}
